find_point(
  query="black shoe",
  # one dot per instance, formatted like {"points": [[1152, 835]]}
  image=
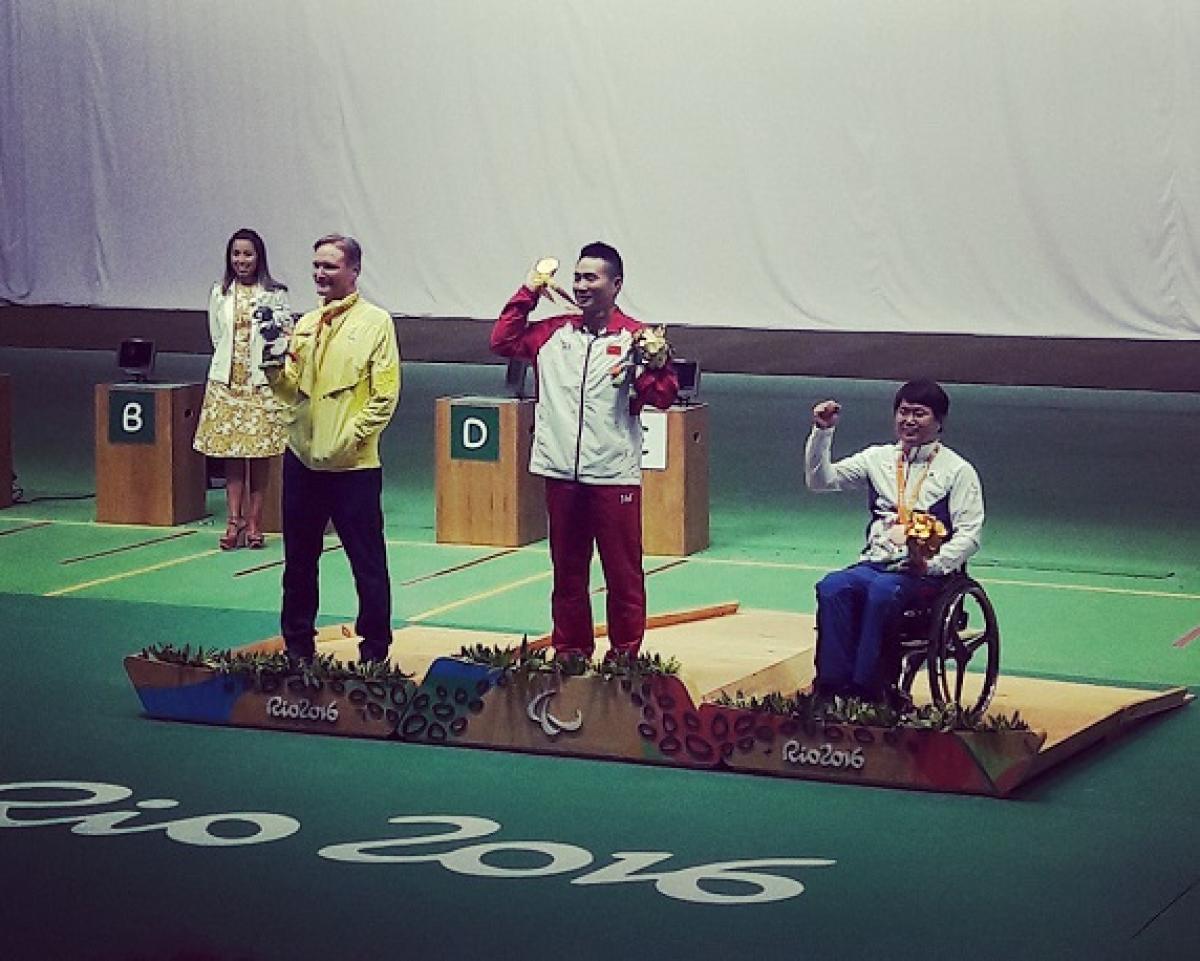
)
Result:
{"points": [[572, 665], [899, 700], [298, 661]]}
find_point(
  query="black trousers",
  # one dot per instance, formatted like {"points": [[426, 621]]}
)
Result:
{"points": [[352, 500]]}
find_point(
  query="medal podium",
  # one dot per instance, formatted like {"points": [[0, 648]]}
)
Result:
{"points": [[675, 480], [146, 469], [484, 491]]}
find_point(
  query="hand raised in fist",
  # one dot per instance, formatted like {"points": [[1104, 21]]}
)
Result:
{"points": [[826, 414]]}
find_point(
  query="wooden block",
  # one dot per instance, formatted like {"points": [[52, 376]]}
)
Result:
{"points": [[273, 497], [675, 500], [6, 456], [488, 501], [159, 483]]}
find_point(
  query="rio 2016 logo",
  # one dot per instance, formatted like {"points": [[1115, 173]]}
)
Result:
{"points": [[302, 710], [35, 804], [824, 756]]}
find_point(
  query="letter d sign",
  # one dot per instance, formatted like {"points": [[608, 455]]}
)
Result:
{"points": [[474, 432]]}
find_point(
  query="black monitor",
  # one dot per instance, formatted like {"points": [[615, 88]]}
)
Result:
{"points": [[688, 372], [514, 377], [135, 357]]}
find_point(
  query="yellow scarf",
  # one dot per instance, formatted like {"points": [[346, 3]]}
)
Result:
{"points": [[326, 315]]}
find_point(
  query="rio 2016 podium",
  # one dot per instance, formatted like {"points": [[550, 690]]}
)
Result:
{"points": [[485, 493], [675, 480], [146, 469]]}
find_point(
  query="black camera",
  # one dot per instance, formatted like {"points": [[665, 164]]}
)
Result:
{"points": [[275, 328]]}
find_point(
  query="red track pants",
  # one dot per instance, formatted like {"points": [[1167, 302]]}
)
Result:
{"points": [[611, 518]]}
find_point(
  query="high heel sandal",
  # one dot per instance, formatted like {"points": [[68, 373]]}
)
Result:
{"points": [[234, 536], [255, 540]]}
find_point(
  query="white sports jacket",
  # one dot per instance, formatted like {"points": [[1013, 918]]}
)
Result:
{"points": [[585, 428]]}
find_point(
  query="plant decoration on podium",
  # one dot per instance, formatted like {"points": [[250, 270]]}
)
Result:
{"points": [[852, 710], [255, 665], [525, 660]]}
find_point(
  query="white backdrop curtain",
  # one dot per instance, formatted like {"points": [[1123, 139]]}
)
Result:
{"points": [[1011, 167]]}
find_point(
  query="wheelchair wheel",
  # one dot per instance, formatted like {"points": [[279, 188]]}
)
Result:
{"points": [[963, 631]]}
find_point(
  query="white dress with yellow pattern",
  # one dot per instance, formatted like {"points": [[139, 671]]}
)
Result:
{"points": [[240, 418]]}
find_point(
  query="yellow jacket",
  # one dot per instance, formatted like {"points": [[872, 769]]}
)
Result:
{"points": [[340, 384]]}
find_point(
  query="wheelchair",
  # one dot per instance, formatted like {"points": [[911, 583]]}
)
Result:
{"points": [[942, 635]]}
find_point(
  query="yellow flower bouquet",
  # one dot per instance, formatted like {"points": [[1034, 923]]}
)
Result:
{"points": [[649, 349], [924, 534]]}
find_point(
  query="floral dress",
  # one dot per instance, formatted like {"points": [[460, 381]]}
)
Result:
{"points": [[240, 419]]}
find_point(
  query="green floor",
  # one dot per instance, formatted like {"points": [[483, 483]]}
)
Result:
{"points": [[1089, 560]]}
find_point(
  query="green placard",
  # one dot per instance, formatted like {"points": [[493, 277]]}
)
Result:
{"points": [[474, 432], [130, 417]]}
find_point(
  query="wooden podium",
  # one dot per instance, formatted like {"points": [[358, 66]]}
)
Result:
{"points": [[485, 493], [146, 469], [272, 522], [6, 456], [675, 481]]}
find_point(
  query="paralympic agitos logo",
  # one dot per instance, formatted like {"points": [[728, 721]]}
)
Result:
{"points": [[42, 804]]}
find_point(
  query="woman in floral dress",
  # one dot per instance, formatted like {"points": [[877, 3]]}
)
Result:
{"points": [[240, 421]]}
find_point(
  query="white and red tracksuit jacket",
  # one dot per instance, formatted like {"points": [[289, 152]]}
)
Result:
{"points": [[585, 429]]}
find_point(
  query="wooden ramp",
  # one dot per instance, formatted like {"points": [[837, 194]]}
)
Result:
{"points": [[1076, 715], [732, 650]]}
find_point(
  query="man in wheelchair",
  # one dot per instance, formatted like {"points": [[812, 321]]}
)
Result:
{"points": [[912, 485]]}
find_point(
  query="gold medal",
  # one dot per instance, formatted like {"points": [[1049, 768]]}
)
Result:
{"points": [[544, 271]]}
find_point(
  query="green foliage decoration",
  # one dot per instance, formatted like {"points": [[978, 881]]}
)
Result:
{"points": [[523, 660], [257, 664], [852, 710]]}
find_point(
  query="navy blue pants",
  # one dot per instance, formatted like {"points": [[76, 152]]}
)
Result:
{"points": [[351, 499], [855, 609]]}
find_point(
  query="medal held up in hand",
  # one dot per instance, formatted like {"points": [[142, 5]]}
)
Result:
{"points": [[542, 277]]}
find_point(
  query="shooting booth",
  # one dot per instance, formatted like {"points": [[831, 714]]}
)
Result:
{"points": [[146, 469], [675, 500]]}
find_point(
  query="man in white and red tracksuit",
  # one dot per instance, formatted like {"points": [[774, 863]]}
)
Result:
{"points": [[587, 444]]}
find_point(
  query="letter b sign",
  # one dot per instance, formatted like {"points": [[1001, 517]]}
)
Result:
{"points": [[130, 417], [474, 432]]}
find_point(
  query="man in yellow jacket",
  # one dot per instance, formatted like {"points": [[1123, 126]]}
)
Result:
{"points": [[339, 384]]}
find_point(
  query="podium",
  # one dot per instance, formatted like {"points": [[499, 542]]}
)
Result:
{"points": [[675, 480], [6, 456], [484, 491], [146, 469], [272, 522]]}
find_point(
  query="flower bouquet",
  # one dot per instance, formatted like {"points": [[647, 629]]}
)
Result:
{"points": [[924, 535], [649, 349]]}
